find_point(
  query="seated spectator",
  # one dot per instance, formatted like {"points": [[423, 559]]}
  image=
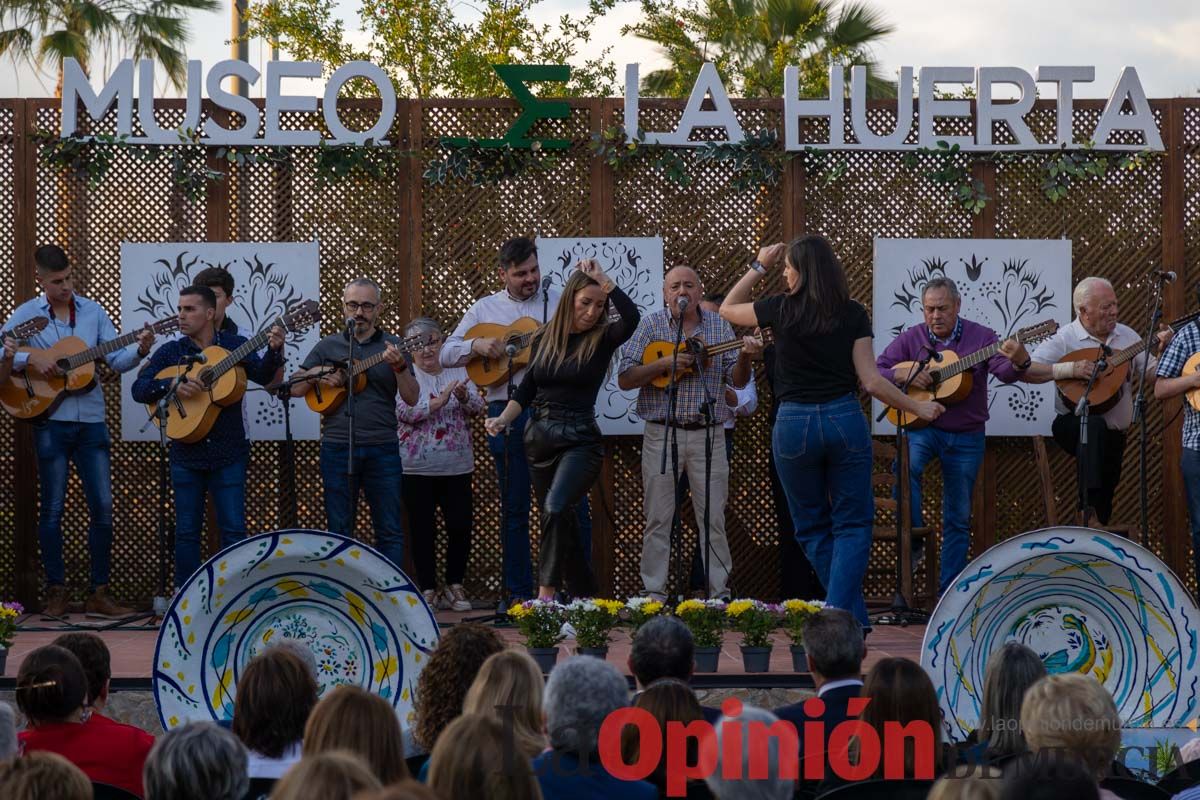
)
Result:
{"points": [[8, 732], [197, 761], [407, 789], [93, 654], [772, 787], [971, 787], [43, 776], [52, 694], [350, 718], [509, 688], [1011, 670], [664, 648], [1028, 777], [275, 695], [667, 700], [581, 692], [332, 775], [1073, 714], [470, 761]]}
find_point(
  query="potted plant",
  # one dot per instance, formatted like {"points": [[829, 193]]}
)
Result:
{"points": [[640, 610], [540, 622], [706, 620], [755, 620], [9, 612], [592, 620], [796, 614]]}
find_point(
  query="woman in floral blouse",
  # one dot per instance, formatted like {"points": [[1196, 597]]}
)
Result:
{"points": [[435, 446]]}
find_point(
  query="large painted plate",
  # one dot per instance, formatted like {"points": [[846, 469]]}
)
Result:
{"points": [[364, 620], [1086, 601]]}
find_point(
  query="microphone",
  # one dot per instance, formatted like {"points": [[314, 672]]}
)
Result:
{"points": [[546, 284], [933, 354], [682, 302], [510, 350], [197, 358], [350, 323], [1164, 276]]}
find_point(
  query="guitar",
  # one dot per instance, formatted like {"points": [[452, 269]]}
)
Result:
{"points": [[328, 399], [952, 380], [659, 349], [32, 397], [1106, 391], [488, 372], [224, 382]]}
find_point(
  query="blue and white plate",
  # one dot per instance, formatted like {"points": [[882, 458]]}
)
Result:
{"points": [[364, 620], [1086, 601]]}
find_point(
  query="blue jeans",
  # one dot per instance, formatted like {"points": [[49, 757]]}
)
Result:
{"points": [[228, 487], [960, 454], [823, 455], [518, 565], [1191, 482], [377, 474], [85, 443]]}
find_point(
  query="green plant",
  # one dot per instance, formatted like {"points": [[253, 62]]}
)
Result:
{"points": [[540, 622], [824, 164], [592, 620], [757, 160], [705, 619], [640, 610], [485, 166], [339, 162], [9, 612], [951, 168], [796, 614], [754, 620]]}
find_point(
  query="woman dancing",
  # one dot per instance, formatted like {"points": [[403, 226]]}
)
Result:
{"points": [[569, 363]]}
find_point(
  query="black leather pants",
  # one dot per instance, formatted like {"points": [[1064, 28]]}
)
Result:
{"points": [[565, 452]]}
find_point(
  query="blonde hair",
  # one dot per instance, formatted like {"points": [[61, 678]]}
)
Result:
{"points": [[1076, 714], [471, 761], [333, 775], [510, 683], [43, 774], [350, 718], [553, 338], [971, 787]]}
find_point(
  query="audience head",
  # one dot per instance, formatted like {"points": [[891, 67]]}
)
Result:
{"points": [[8, 732], [509, 687], [662, 648], [667, 700], [448, 675], [580, 693], [196, 761], [350, 718], [1074, 714], [833, 640], [407, 789], [93, 655], [471, 761], [275, 695], [972, 787], [51, 685], [301, 651], [900, 691], [773, 787], [1058, 776], [43, 776], [1011, 670], [332, 775]]}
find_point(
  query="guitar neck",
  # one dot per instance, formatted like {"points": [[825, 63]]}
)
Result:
{"points": [[366, 363], [724, 347], [1126, 353], [247, 347], [966, 362], [101, 350]]}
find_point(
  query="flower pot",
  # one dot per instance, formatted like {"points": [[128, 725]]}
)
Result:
{"points": [[3, 659], [706, 658], [799, 658], [756, 659], [595, 652], [546, 657]]}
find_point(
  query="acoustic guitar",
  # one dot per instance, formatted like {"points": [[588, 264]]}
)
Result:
{"points": [[660, 349], [32, 397], [488, 372], [952, 379], [1106, 391], [16, 392], [222, 379], [328, 399]]}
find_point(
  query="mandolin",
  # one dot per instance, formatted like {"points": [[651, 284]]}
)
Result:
{"points": [[488, 372], [952, 379], [224, 382], [32, 397], [660, 349], [328, 399]]}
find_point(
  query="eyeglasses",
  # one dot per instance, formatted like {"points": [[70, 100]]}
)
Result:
{"points": [[353, 306]]}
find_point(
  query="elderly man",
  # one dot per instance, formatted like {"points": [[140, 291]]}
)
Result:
{"points": [[753, 726], [664, 648], [1095, 325], [197, 761], [682, 292]]}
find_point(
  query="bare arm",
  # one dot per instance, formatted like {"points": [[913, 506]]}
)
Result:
{"points": [[737, 308], [884, 390], [641, 375], [1166, 388]]}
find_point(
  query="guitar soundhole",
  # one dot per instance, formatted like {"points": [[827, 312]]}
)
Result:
{"points": [[205, 379], [64, 364]]}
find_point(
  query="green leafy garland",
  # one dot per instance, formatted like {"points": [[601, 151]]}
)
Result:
{"points": [[485, 166]]}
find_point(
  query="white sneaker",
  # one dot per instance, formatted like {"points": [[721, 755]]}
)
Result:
{"points": [[567, 631], [431, 598], [456, 597]]}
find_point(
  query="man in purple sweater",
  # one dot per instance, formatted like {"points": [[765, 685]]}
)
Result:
{"points": [[957, 437]]}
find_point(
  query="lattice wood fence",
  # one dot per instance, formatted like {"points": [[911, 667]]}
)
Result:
{"points": [[433, 248]]}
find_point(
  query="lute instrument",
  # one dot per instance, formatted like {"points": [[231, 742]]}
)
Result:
{"points": [[661, 349], [328, 399], [487, 372]]}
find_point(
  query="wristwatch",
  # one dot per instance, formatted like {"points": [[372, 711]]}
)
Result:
{"points": [[757, 266], [1026, 365]]}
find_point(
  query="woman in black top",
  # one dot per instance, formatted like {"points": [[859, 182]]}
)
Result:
{"points": [[821, 441], [569, 364]]}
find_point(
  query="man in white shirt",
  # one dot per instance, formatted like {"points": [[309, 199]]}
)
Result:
{"points": [[524, 294]]}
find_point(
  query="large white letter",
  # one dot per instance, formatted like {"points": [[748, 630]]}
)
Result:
{"points": [[216, 133], [1142, 118], [932, 108], [832, 108], [708, 82], [631, 101], [277, 102], [1066, 78], [858, 110], [76, 87], [1012, 114], [191, 112], [387, 109]]}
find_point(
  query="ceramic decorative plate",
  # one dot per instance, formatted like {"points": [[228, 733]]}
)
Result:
{"points": [[364, 620], [1086, 601]]}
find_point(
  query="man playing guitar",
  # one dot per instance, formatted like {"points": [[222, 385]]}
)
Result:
{"points": [[956, 438], [75, 431], [525, 294], [216, 463]]}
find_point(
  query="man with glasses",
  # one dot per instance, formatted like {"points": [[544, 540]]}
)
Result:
{"points": [[377, 469]]}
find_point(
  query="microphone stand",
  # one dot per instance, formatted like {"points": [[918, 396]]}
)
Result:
{"points": [[1083, 411], [353, 490], [287, 510], [708, 411], [672, 433], [1139, 411]]}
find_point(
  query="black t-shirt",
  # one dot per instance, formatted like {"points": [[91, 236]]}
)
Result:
{"points": [[814, 367]]}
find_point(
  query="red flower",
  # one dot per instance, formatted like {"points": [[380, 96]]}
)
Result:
{"points": [[439, 433]]}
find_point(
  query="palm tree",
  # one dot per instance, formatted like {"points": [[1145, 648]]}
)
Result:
{"points": [[752, 41], [44, 33]]}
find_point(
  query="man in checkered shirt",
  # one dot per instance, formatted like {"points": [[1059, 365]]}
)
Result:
{"points": [[1172, 383]]}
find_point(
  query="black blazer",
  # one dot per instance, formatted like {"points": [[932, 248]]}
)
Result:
{"points": [[836, 702]]}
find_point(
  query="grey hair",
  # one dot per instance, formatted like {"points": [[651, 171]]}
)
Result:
{"points": [[1083, 290], [196, 761], [420, 324], [365, 281], [8, 732], [301, 651], [663, 647], [580, 693], [833, 640], [772, 787], [941, 283]]}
